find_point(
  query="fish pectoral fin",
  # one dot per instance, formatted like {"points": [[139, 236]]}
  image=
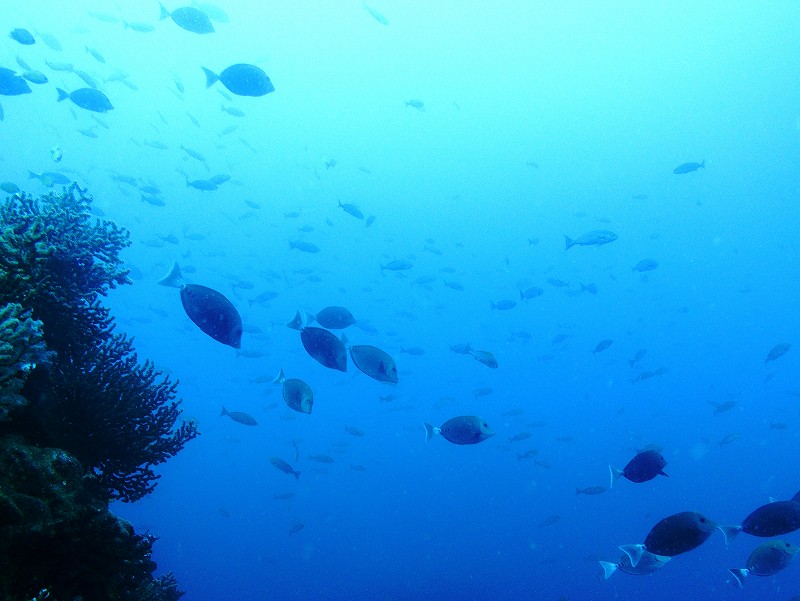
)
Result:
{"points": [[663, 473]]}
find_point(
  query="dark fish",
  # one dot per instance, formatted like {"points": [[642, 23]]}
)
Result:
{"points": [[530, 293], [374, 362], [557, 283], [593, 238], [353, 431], [519, 436], [322, 459], [647, 562], [722, 407], [773, 519], [296, 528], [189, 18], [219, 179], [335, 318], [461, 349], [302, 246], [645, 265], [23, 36], [240, 417], [12, 84], [643, 467], [688, 167], [87, 98], [602, 345], [297, 394], [397, 265], [242, 80], [550, 521], [590, 490], [351, 210], [465, 429], [678, 534], [766, 559], [637, 357], [204, 185], [779, 350], [503, 305], [324, 347], [284, 467], [214, 314], [484, 357]]}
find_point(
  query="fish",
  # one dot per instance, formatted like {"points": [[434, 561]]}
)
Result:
{"points": [[322, 459], [602, 345], [557, 283], [464, 429], [50, 177], [646, 563], [297, 394], [335, 318], [688, 167], [60, 66], [215, 13], [139, 27], [153, 200], [324, 347], [96, 55], [51, 42], [519, 436], [416, 104], [203, 185], [457, 286], [87, 98], [242, 80], [193, 153], [12, 84], [530, 293], [233, 111], [637, 357], [238, 416], [461, 349], [296, 528], [284, 467], [593, 238], [643, 467], [722, 407], [374, 362], [678, 534], [777, 351], [590, 490], [189, 18], [414, 351], [729, 438], [34, 76], [375, 14], [9, 187], [397, 265], [645, 265], [23, 36], [303, 246], [503, 305], [550, 521], [210, 310], [485, 357], [773, 519], [767, 559], [351, 209]]}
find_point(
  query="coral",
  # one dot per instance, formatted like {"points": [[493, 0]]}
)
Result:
{"points": [[21, 349]]}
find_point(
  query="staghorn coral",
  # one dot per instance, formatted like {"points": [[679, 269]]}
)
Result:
{"points": [[21, 349]]}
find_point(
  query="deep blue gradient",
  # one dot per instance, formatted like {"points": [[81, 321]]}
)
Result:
{"points": [[541, 119]]}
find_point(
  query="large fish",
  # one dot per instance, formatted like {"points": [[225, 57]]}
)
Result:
{"points": [[12, 84], [189, 18], [374, 362], [87, 98], [773, 519], [211, 311], [593, 238], [297, 394], [464, 429], [766, 559], [242, 80], [643, 467], [678, 534], [324, 347]]}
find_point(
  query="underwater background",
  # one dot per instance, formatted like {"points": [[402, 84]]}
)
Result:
{"points": [[471, 137]]}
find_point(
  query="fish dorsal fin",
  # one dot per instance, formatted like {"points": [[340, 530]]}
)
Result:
{"points": [[280, 378], [345, 341], [173, 279]]}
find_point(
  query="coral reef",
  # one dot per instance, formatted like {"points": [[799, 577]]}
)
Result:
{"points": [[82, 422]]}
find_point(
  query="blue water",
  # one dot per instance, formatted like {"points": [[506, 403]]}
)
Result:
{"points": [[540, 120]]}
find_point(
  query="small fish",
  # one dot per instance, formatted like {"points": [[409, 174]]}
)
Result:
{"points": [[303, 246], [139, 27], [637, 357], [503, 305], [729, 438], [322, 459], [550, 521], [397, 265], [324, 347], [416, 104], [645, 265], [96, 55], [353, 431], [722, 407], [590, 490], [189, 18], [414, 351], [9, 187], [688, 167], [779, 350], [593, 238], [643, 467], [23, 36], [242, 80], [296, 393], [374, 362], [557, 283], [530, 293], [351, 209], [296, 528], [520, 436], [284, 467], [87, 98], [767, 559], [465, 429], [375, 14], [602, 345], [485, 357], [238, 416]]}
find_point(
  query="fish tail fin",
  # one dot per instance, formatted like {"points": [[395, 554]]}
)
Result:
{"points": [[634, 553], [279, 378], [615, 474], [32, 175], [224, 411], [739, 575], [608, 569], [521, 296], [631, 362], [729, 532], [568, 242], [173, 279], [702, 164], [430, 431], [164, 12], [211, 77], [296, 474], [62, 95]]}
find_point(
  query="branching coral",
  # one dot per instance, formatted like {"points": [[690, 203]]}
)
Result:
{"points": [[21, 346]]}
